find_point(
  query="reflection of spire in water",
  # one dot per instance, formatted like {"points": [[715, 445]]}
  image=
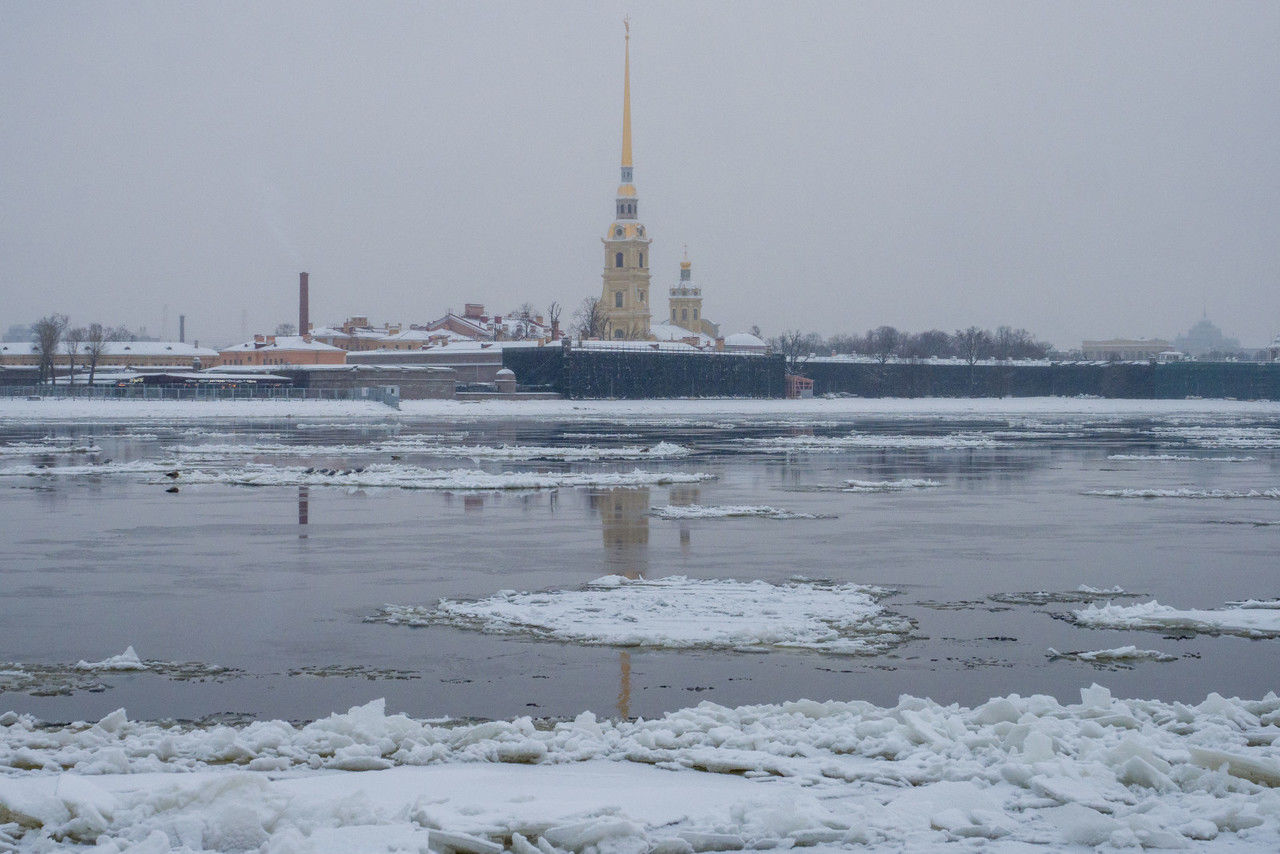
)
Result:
{"points": [[624, 526], [683, 496], [624, 685], [304, 509]]}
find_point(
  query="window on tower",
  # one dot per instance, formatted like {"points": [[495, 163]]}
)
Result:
{"points": [[617, 299], [695, 314], [673, 314], [617, 260], [684, 314], [641, 296], [641, 259]]}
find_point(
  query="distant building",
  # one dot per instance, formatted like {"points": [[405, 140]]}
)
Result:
{"points": [[1204, 337], [355, 334], [283, 350], [117, 354], [1124, 349], [744, 342], [1273, 352]]}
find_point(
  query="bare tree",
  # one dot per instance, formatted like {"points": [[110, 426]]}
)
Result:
{"points": [[589, 319], [972, 344], [524, 321], [284, 330], [47, 332], [95, 344], [884, 342], [72, 339], [797, 347], [935, 342], [553, 317]]}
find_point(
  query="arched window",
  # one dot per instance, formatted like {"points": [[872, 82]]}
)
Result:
{"points": [[641, 259], [617, 260], [641, 296], [617, 299], [673, 314], [695, 314], [684, 314]]}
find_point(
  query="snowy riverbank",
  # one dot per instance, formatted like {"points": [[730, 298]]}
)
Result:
{"points": [[73, 409], [1015, 770]]}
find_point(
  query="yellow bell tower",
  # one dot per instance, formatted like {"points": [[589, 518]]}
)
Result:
{"points": [[625, 297]]}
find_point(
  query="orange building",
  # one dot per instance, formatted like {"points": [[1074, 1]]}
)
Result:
{"points": [[283, 350]]}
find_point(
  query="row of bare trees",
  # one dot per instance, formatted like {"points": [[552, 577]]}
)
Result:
{"points": [[86, 344], [886, 342]]}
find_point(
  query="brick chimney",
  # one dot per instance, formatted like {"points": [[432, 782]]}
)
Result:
{"points": [[304, 321]]}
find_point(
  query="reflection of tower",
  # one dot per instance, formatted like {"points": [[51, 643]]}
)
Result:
{"points": [[624, 685], [624, 301], [304, 510], [624, 525], [684, 496]]}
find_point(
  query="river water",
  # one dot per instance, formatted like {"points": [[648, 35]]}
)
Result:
{"points": [[275, 581]]}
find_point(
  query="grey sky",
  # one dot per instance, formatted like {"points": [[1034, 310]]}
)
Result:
{"points": [[1080, 169]]}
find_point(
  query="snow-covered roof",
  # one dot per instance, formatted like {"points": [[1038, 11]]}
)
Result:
{"points": [[668, 332], [743, 339], [282, 342], [662, 346], [175, 349]]}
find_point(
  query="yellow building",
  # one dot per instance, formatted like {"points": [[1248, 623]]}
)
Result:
{"points": [[625, 297]]}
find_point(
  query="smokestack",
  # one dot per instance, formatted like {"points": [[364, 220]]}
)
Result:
{"points": [[304, 325], [182, 329]]}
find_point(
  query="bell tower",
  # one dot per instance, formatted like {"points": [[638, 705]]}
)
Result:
{"points": [[625, 298], [685, 299]]}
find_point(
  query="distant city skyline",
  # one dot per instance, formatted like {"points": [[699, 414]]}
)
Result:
{"points": [[1094, 171]]}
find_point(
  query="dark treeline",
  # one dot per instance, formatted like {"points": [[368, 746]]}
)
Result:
{"points": [[886, 342]]}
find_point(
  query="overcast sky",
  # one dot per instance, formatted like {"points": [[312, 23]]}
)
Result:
{"points": [[1079, 169]]}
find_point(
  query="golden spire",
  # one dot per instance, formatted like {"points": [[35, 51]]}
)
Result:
{"points": [[626, 98]]}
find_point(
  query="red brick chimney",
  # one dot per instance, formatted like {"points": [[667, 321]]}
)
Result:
{"points": [[304, 323]]}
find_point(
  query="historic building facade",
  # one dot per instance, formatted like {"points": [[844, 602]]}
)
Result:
{"points": [[625, 298]]}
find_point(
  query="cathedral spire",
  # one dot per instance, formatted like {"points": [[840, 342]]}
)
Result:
{"points": [[626, 105]]}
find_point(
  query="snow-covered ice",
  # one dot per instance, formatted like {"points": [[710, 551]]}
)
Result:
{"points": [[1247, 620], [415, 477], [899, 485], [511, 453], [679, 612], [127, 660], [1007, 774], [1177, 458], [731, 511], [1122, 654], [1184, 492], [855, 441], [1222, 436]]}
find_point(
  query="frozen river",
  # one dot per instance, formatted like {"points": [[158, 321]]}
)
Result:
{"points": [[254, 582]]}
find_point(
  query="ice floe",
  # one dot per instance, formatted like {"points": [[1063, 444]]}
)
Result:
{"points": [[1007, 774], [46, 446], [855, 441], [48, 680], [1245, 620], [568, 453], [1083, 593], [731, 511], [1178, 458], [104, 468], [1184, 492], [1119, 655], [679, 612], [413, 477], [900, 485], [1222, 436]]}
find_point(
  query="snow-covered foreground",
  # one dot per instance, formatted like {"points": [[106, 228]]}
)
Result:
{"points": [[680, 613], [1014, 770]]}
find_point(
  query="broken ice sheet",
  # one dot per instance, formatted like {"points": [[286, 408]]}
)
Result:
{"points": [[679, 612]]}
